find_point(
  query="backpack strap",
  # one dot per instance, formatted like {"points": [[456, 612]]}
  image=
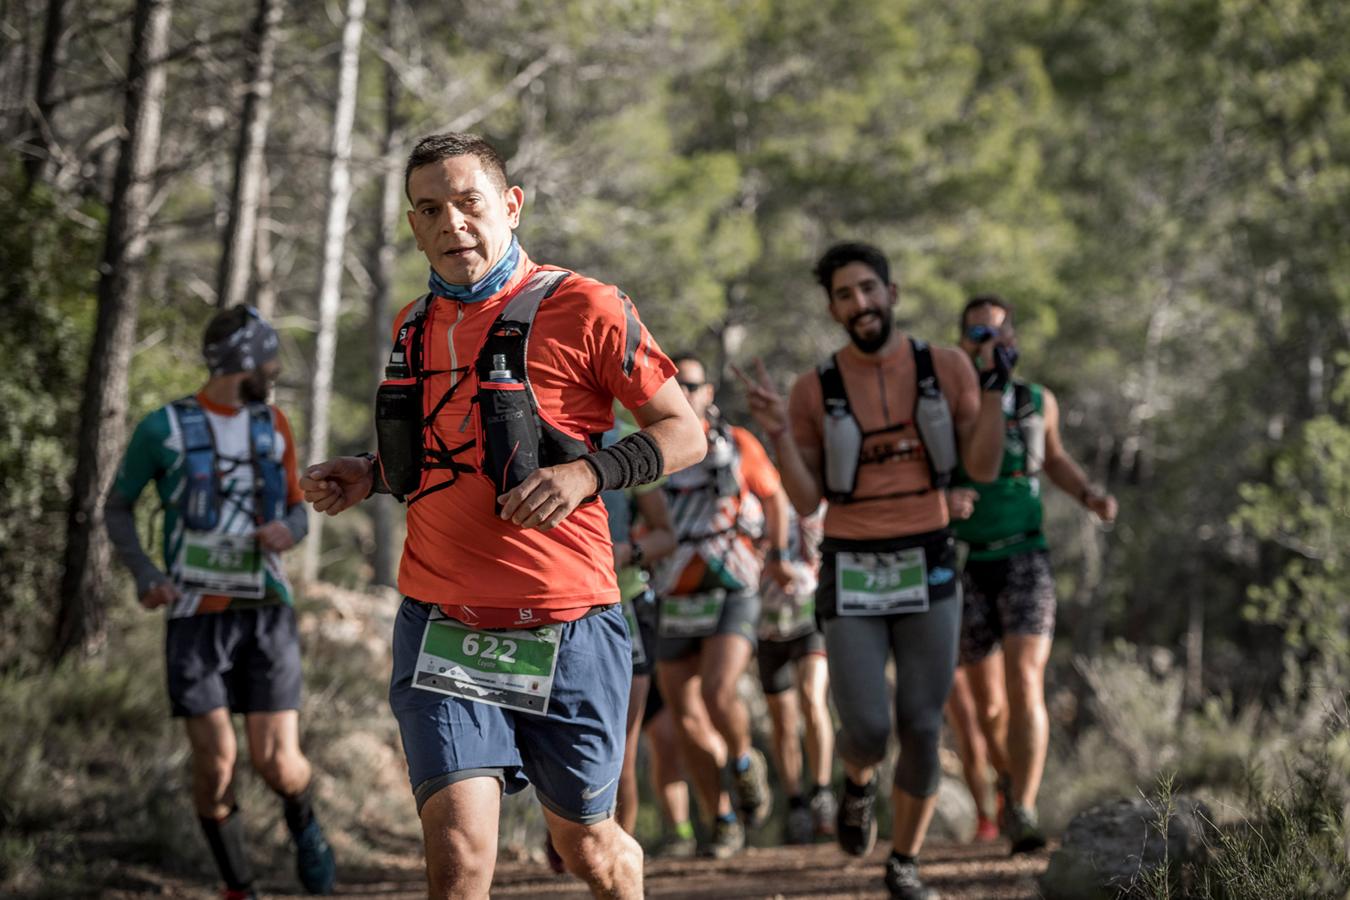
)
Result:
{"points": [[1024, 401], [936, 430], [405, 358], [832, 387], [201, 493], [269, 476], [509, 336], [925, 375]]}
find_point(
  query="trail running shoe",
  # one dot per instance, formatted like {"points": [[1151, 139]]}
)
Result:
{"points": [[985, 831], [728, 839], [314, 860], [903, 882], [856, 824], [824, 809], [1022, 830], [676, 847], [801, 825], [751, 787]]}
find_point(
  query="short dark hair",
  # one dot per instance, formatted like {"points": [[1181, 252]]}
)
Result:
{"points": [[687, 356], [840, 255], [436, 147], [979, 301], [225, 323]]}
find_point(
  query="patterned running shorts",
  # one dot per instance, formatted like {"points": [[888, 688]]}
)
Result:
{"points": [[1005, 596]]}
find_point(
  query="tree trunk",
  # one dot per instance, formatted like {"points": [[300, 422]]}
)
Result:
{"points": [[80, 617], [1195, 648], [39, 126], [264, 291], [383, 255], [236, 258], [334, 241]]}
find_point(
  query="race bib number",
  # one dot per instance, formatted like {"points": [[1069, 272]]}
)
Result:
{"points": [[226, 564], [879, 584], [691, 615], [634, 634], [512, 668]]}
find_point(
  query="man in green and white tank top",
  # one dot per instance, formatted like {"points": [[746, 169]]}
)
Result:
{"points": [[1008, 585]]}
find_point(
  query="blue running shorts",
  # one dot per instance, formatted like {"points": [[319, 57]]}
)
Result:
{"points": [[572, 755]]}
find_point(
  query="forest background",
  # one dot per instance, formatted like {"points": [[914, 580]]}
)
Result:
{"points": [[1162, 189]]}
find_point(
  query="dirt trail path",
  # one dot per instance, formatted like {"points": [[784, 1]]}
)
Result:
{"points": [[960, 872]]}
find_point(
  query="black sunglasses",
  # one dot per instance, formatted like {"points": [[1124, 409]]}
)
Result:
{"points": [[690, 386]]}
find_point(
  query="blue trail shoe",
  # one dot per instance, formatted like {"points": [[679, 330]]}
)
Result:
{"points": [[314, 860]]}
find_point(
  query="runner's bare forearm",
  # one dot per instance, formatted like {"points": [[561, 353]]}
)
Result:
{"points": [[982, 444], [800, 482], [776, 519], [1067, 475]]}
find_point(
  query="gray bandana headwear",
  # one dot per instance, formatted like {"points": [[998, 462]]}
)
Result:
{"points": [[244, 350]]}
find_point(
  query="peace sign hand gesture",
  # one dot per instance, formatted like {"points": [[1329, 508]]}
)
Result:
{"points": [[767, 405]]}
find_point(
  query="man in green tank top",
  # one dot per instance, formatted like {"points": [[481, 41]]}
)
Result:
{"points": [[1008, 586]]}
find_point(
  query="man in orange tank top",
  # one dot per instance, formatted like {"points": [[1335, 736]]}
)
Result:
{"points": [[512, 660], [872, 431]]}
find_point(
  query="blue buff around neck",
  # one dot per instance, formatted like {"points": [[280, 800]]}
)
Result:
{"points": [[483, 288]]}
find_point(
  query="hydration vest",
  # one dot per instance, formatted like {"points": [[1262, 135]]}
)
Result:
{"points": [[512, 437], [844, 437], [1030, 425], [202, 494], [696, 494], [1008, 515]]}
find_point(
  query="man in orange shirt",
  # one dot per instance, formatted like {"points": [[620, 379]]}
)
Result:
{"points": [[512, 660], [877, 430], [731, 524]]}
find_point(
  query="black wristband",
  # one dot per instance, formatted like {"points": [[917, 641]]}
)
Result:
{"points": [[376, 482], [632, 461]]}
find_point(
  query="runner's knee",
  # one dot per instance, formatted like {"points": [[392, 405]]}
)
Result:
{"points": [[1025, 683], [917, 772], [281, 770], [719, 692], [214, 770], [595, 854], [863, 740]]}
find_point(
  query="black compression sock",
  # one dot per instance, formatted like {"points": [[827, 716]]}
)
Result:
{"points": [[299, 810], [855, 790], [904, 858], [226, 838], [796, 802]]}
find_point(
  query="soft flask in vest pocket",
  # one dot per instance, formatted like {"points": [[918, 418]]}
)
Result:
{"points": [[398, 431], [510, 433]]}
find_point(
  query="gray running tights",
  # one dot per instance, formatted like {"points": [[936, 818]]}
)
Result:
{"points": [[925, 646]]}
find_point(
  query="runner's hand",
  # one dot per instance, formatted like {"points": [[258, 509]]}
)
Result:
{"points": [[766, 404], [1104, 505], [548, 495], [338, 484], [276, 537], [162, 594], [780, 570], [961, 502]]}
